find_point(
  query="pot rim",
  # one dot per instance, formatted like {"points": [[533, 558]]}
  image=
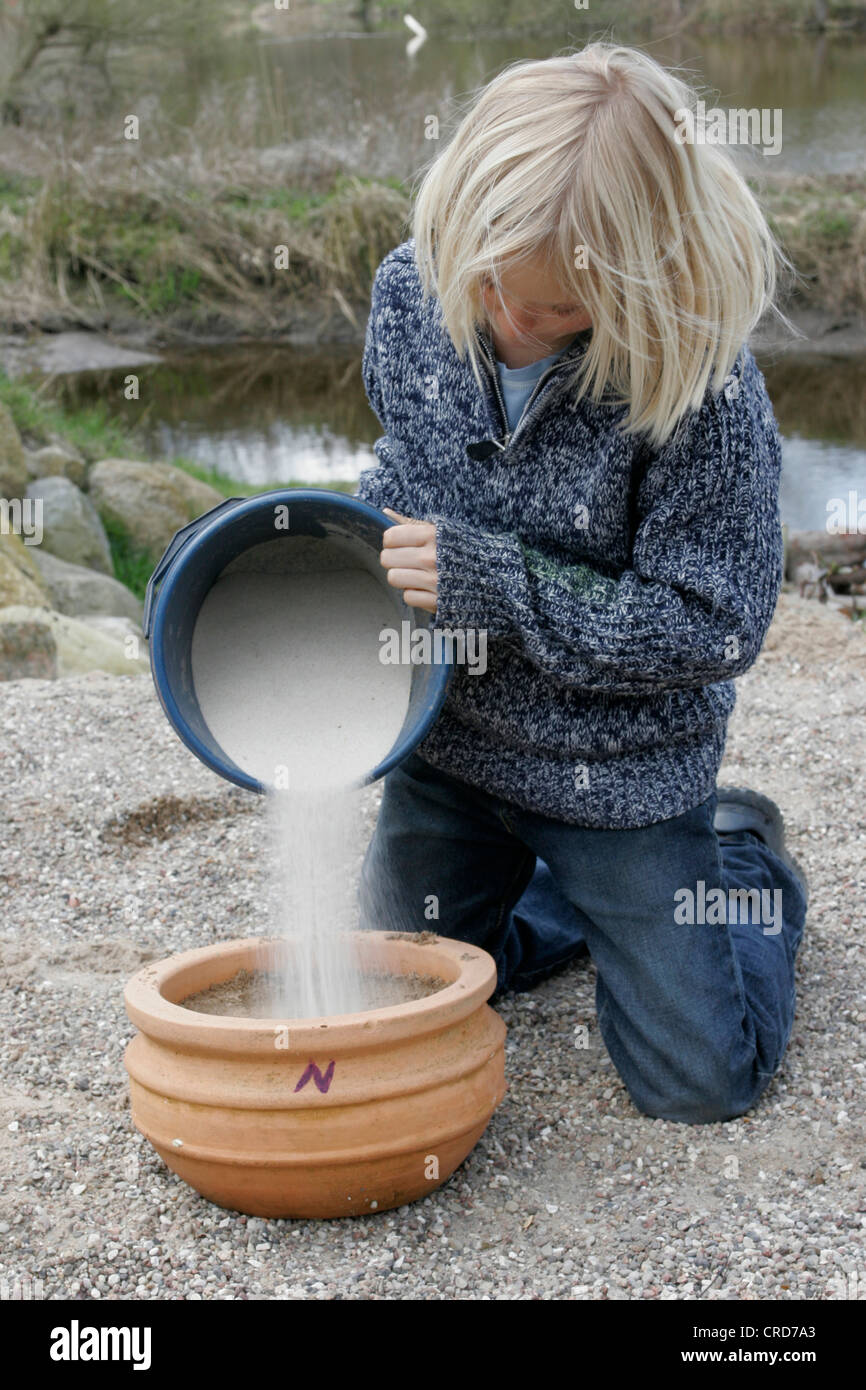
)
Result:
{"points": [[158, 1018]]}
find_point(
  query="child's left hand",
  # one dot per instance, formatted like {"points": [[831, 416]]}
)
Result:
{"points": [[409, 555]]}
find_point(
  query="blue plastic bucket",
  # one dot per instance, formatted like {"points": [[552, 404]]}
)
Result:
{"points": [[194, 560]]}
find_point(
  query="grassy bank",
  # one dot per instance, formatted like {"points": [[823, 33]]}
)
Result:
{"points": [[821, 223], [196, 257], [97, 436], [206, 255]]}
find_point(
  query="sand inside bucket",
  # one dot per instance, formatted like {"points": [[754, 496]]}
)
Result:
{"points": [[287, 668]]}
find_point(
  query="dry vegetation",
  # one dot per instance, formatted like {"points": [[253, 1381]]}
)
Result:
{"points": [[194, 244], [189, 246], [820, 221]]}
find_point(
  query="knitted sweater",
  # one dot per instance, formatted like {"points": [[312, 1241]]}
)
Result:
{"points": [[621, 587]]}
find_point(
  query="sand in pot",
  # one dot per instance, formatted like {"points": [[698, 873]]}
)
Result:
{"points": [[285, 661], [255, 993]]}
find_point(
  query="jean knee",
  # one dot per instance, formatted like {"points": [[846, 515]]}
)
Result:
{"points": [[705, 1102]]}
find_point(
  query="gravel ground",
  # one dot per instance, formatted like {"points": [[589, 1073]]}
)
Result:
{"points": [[119, 847]]}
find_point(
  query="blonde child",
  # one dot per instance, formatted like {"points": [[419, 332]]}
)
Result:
{"points": [[584, 464]]}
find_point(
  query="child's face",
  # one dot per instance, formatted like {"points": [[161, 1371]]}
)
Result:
{"points": [[538, 317]]}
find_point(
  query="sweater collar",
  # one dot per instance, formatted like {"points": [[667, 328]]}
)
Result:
{"points": [[575, 349]]}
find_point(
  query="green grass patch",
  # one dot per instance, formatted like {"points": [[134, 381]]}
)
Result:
{"points": [[17, 190], [829, 226], [169, 291], [819, 222], [132, 566], [295, 206], [169, 250], [92, 430]]}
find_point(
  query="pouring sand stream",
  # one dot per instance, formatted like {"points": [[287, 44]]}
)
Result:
{"points": [[287, 671]]}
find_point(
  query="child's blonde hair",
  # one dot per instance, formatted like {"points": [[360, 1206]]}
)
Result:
{"points": [[579, 151]]}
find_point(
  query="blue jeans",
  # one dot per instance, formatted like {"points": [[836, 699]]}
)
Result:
{"points": [[696, 1015]]}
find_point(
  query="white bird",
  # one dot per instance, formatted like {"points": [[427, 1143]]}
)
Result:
{"points": [[420, 35]]}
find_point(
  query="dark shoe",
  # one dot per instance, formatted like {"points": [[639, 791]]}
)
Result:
{"points": [[739, 809]]}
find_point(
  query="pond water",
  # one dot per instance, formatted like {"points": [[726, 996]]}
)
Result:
{"points": [[262, 414], [363, 96]]}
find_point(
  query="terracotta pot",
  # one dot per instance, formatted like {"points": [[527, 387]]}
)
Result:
{"points": [[325, 1117]]}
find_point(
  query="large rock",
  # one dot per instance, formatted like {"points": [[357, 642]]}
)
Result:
{"points": [[14, 549], [71, 526], [39, 642], [16, 586], [126, 631], [78, 592], [57, 461], [13, 466], [149, 500], [27, 646]]}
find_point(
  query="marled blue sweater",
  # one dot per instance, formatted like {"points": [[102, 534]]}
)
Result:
{"points": [[621, 587]]}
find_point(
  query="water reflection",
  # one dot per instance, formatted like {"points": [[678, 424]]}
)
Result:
{"points": [[262, 415], [819, 397], [813, 473], [361, 100], [366, 99]]}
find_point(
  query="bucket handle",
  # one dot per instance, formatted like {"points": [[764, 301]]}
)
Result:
{"points": [[177, 542]]}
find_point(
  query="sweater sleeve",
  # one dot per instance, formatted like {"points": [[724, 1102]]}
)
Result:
{"points": [[382, 485], [706, 566]]}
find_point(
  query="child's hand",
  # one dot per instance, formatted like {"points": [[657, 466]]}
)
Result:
{"points": [[409, 555]]}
